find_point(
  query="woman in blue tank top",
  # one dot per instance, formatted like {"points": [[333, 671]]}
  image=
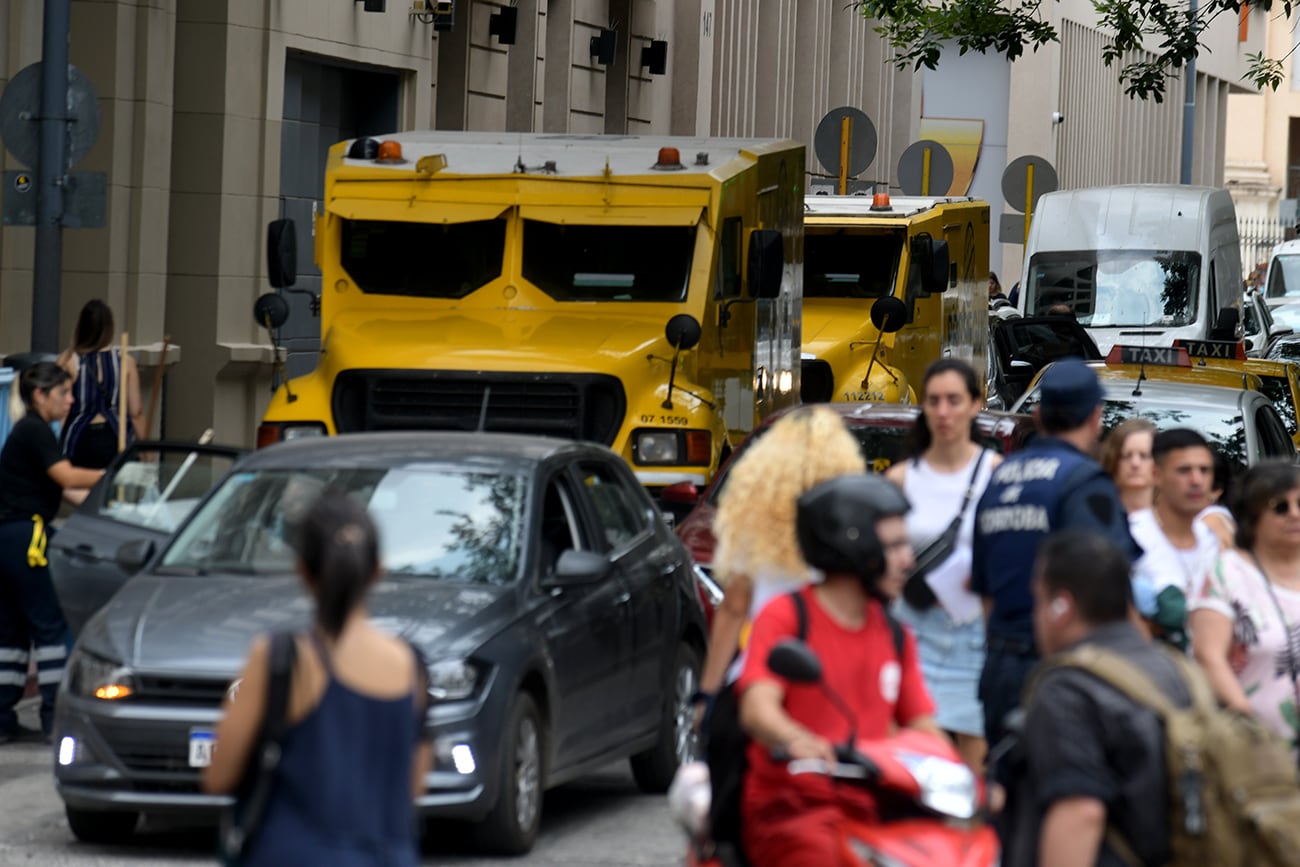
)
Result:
{"points": [[356, 750], [99, 372]]}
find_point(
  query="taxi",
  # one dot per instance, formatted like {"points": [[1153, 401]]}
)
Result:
{"points": [[1278, 380], [1162, 384]]}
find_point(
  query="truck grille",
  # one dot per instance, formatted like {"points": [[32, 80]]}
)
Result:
{"points": [[574, 406]]}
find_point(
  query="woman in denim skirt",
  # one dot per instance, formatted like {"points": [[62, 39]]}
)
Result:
{"points": [[943, 481]]}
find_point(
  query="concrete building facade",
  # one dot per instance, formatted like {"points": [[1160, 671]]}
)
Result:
{"points": [[217, 116]]}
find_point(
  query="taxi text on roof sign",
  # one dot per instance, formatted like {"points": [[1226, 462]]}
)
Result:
{"points": [[1165, 356], [1229, 350]]}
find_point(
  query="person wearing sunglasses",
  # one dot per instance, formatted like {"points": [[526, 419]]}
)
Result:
{"points": [[1245, 622]]}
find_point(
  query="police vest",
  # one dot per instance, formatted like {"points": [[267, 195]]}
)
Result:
{"points": [[1019, 508]]}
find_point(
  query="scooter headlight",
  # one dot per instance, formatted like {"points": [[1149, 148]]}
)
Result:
{"points": [[947, 787]]}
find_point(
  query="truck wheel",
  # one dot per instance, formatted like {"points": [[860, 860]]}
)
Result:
{"points": [[653, 769], [93, 826], [511, 827]]}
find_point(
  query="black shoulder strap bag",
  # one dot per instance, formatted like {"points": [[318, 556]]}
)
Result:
{"points": [[241, 822], [917, 592]]}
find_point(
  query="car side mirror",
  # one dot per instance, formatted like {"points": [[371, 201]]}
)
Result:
{"points": [[766, 262], [132, 556], [795, 661], [579, 567], [932, 257]]}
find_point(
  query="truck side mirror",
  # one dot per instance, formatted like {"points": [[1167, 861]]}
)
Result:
{"points": [[766, 261], [281, 253], [888, 314], [270, 311], [932, 257]]}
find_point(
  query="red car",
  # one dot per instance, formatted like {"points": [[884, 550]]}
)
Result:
{"points": [[882, 429]]}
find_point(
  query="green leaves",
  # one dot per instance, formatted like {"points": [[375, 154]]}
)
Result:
{"points": [[1151, 41]]}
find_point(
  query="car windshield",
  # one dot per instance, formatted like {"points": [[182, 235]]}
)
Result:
{"points": [[1287, 316], [1284, 277], [1285, 350], [847, 265], [423, 260], [1220, 424], [434, 522], [1117, 288], [608, 263]]}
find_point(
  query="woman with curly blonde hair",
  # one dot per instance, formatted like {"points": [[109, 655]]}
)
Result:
{"points": [[757, 555]]}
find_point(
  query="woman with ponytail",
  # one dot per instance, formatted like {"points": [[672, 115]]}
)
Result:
{"points": [[355, 750]]}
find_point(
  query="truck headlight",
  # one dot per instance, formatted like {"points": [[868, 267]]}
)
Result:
{"points": [[452, 679], [673, 447], [96, 677], [947, 787]]}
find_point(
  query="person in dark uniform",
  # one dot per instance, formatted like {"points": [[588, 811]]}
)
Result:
{"points": [[1053, 484], [33, 476]]}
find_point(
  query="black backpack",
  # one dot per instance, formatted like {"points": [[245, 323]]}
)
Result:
{"points": [[726, 746]]}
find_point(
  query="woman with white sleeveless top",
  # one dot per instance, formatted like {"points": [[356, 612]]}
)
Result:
{"points": [[944, 480]]}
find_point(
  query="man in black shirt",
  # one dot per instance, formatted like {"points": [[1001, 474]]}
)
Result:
{"points": [[1089, 757]]}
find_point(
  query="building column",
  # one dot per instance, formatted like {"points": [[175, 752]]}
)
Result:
{"points": [[453, 70]]}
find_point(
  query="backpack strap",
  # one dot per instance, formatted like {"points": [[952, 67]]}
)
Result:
{"points": [[895, 632], [1126, 677], [283, 654], [800, 612]]}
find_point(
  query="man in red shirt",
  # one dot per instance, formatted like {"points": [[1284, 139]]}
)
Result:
{"points": [[851, 528]]}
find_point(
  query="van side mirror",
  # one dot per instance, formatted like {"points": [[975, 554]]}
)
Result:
{"points": [[931, 256], [281, 253], [766, 262], [1225, 326]]}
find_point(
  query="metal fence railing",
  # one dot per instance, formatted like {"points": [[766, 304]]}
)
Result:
{"points": [[1258, 236]]}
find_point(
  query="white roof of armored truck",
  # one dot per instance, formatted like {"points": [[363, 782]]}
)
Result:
{"points": [[821, 205], [499, 153]]}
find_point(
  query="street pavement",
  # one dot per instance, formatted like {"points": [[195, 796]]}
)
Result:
{"points": [[599, 820]]}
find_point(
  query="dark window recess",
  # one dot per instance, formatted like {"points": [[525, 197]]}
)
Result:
{"points": [[729, 285], [848, 265], [816, 382], [576, 406], [608, 263], [423, 260]]}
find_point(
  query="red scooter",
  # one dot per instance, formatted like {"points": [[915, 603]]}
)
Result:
{"points": [[931, 805]]}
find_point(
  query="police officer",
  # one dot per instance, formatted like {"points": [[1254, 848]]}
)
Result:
{"points": [[33, 474], [1053, 484]]}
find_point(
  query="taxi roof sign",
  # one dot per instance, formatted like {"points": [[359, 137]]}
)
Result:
{"points": [[1161, 356], [1229, 350]]}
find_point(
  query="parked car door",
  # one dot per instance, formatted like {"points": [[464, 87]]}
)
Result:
{"points": [[646, 560], [586, 629], [146, 494]]}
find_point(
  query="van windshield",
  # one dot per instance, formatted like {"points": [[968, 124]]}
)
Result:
{"points": [[1284, 277], [608, 263], [844, 265], [1117, 288]]}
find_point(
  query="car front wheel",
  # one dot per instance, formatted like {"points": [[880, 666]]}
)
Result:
{"points": [[93, 826], [511, 827], [653, 769]]}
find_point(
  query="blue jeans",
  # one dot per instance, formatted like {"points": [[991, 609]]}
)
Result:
{"points": [[30, 614]]}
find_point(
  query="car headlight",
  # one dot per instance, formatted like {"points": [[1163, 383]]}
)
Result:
{"points": [[452, 679], [660, 446], [947, 787], [95, 677]]}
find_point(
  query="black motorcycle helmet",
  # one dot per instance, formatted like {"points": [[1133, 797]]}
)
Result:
{"points": [[836, 525]]}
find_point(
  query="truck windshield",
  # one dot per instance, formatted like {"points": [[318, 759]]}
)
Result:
{"points": [[847, 265], [1284, 277], [1117, 288], [608, 263], [424, 260]]}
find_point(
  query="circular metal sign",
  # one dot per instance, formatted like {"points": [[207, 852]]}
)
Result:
{"points": [[862, 140], [1015, 181], [911, 169], [22, 182], [20, 111]]}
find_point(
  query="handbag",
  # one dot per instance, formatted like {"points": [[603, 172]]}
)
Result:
{"points": [[241, 822], [916, 591]]}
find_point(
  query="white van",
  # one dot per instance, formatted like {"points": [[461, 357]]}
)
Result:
{"points": [[1140, 263], [1282, 283]]}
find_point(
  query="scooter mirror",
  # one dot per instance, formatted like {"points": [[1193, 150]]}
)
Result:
{"points": [[794, 660]]}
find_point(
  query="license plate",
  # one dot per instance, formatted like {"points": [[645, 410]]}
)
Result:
{"points": [[202, 742]]}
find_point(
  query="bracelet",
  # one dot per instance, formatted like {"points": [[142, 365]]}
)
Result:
{"points": [[698, 697]]}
